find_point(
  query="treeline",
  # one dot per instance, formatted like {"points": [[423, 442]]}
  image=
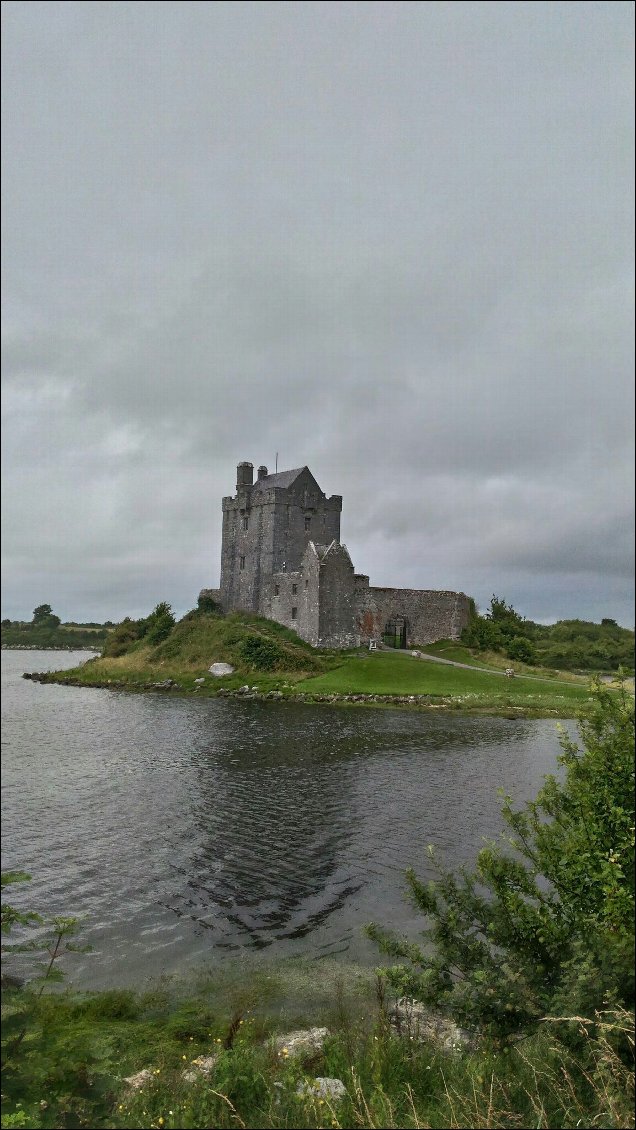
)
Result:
{"points": [[47, 630], [569, 645]]}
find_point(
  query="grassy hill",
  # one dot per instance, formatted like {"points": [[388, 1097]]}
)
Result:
{"points": [[269, 657], [258, 649]]}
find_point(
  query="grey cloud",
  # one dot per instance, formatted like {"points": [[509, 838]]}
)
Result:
{"points": [[390, 241]]}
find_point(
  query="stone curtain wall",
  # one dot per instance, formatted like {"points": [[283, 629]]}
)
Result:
{"points": [[431, 615]]}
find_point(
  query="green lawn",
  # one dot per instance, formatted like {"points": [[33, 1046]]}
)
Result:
{"points": [[399, 673], [451, 649]]}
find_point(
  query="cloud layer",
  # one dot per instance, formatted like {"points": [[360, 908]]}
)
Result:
{"points": [[391, 241]]}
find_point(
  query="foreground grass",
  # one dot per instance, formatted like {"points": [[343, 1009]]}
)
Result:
{"points": [[71, 1069]]}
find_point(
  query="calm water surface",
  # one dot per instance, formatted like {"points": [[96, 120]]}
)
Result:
{"points": [[192, 831]]}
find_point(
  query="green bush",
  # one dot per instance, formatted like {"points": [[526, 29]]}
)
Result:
{"points": [[262, 654], [550, 925], [521, 649], [121, 640], [160, 623], [207, 604]]}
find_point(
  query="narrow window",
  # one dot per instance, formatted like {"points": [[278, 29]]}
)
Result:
{"points": [[245, 522], [241, 562], [307, 523], [276, 590], [294, 613], [306, 584], [294, 590]]}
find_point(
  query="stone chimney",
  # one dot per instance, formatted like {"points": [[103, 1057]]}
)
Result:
{"points": [[244, 475], [262, 472]]}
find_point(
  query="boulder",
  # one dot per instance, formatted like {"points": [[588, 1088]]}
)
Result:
{"points": [[301, 1042], [322, 1087], [219, 669], [412, 1019], [199, 681]]}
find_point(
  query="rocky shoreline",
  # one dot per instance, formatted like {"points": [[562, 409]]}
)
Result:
{"points": [[247, 693]]}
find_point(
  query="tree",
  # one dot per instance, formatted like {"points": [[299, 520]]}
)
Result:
{"points": [[42, 612], [509, 622], [548, 925], [44, 617], [160, 623]]}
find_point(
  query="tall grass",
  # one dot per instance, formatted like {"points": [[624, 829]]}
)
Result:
{"points": [[72, 1070]]}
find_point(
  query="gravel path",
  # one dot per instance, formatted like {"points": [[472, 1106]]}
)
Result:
{"points": [[492, 670]]}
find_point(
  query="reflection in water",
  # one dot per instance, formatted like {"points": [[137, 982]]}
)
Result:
{"points": [[185, 829], [276, 812], [298, 815]]}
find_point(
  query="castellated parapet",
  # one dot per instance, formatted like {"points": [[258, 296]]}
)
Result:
{"points": [[282, 558]]}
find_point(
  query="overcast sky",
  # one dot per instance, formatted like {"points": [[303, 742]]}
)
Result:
{"points": [[390, 241]]}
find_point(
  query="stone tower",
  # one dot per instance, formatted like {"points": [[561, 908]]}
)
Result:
{"points": [[267, 526]]}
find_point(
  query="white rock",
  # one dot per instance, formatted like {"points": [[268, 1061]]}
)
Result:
{"points": [[412, 1019], [304, 1040], [135, 1082], [322, 1087], [221, 669], [202, 1065], [199, 680]]}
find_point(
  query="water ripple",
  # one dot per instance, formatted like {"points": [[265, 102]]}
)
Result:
{"points": [[188, 829]]}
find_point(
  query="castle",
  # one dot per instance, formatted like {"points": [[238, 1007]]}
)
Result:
{"points": [[282, 558]]}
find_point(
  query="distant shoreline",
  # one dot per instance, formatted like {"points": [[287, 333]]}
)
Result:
{"points": [[47, 647]]}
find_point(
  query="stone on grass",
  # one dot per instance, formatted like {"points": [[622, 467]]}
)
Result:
{"points": [[135, 1082], [300, 1042], [414, 1020], [199, 680], [221, 669], [322, 1087], [201, 1066]]}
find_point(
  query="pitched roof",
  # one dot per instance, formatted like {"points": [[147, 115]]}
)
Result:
{"points": [[335, 547], [282, 479]]}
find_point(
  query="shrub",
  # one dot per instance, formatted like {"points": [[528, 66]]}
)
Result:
{"points": [[549, 926], [160, 623], [206, 603], [262, 654], [521, 649], [123, 637]]}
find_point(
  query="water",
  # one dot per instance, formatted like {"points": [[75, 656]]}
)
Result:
{"points": [[190, 831]]}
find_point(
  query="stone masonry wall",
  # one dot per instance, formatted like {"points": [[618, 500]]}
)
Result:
{"points": [[431, 615], [337, 599], [294, 605]]}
